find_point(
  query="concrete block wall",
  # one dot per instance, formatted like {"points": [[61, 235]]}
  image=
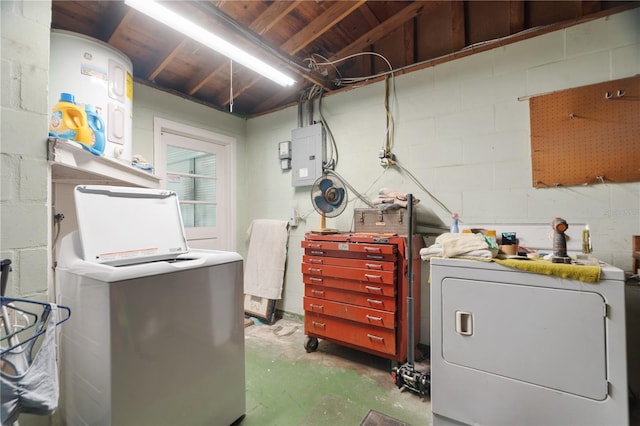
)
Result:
{"points": [[24, 209], [463, 130]]}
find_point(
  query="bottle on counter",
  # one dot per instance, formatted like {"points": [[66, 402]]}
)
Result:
{"points": [[96, 124], [69, 121], [586, 240], [454, 224]]}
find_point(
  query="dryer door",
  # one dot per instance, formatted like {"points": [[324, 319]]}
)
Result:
{"points": [[548, 337]]}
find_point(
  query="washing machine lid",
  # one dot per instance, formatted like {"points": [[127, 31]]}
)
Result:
{"points": [[123, 225]]}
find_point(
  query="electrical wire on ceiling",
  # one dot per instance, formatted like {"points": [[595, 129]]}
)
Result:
{"points": [[316, 65], [341, 81], [313, 65], [386, 156]]}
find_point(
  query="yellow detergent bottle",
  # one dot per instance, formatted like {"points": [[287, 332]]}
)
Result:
{"points": [[69, 121]]}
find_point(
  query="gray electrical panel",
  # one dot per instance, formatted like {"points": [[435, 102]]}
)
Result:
{"points": [[307, 154]]}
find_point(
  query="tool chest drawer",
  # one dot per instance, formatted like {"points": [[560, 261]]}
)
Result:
{"points": [[368, 316], [355, 292], [356, 286], [374, 249], [387, 303], [363, 251], [366, 275], [371, 339], [350, 263]]}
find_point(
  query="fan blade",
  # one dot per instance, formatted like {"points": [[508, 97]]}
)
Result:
{"points": [[323, 205], [325, 184]]}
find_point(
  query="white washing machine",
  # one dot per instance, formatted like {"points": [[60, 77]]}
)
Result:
{"points": [[517, 348], [157, 336]]}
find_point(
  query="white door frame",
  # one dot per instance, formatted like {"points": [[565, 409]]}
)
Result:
{"points": [[228, 143]]}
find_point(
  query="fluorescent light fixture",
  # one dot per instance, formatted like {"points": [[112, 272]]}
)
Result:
{"points": [[166, 16]]}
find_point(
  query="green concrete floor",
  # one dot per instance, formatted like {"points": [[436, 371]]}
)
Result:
{"points": [[336, 386]]}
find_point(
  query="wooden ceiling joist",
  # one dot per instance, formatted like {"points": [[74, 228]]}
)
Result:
{"points": [[377, 33], [412, 34], [320, 25]]}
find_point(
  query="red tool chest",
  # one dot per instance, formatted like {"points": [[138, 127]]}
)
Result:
{"points": [[355, 291]]}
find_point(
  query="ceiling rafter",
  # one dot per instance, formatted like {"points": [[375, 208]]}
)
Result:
{"points": [[590, 6], [385, 27], [516, 16], [270, 17], [458, 31], [167, 60], [409, 41], [273, 15], [267, 19], [414, 9], [115, 12], [122, 26], [370, 18], [413, 33], [320, 25]]}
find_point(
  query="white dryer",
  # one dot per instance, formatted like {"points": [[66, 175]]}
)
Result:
{"points": [[510, 347]]}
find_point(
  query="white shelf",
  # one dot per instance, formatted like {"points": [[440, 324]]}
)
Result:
{"points": [[72, 164]]}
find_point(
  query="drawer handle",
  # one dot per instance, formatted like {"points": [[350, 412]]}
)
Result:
{"points": [[372, 318], [318, 307], [371, 256], [316, 279], [315, 245], [316, 252], [378, 338], [372, 249], [318, 324], [376, 289], [372, 277], [373, 266], [375, 302], [317, 292], [315, 261], [315, 270]]}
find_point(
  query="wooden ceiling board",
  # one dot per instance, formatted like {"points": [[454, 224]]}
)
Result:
{"points": [[244, 12], [383, 10], [434, 33], [353, 26], [408, 33], [388, 47], [272, 16], [83, 17], [320, 25], [486, 20], [549, 12], [164, 58], [190, 63]]}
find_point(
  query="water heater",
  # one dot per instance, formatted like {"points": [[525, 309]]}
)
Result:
{"points": [[99, 75]]}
